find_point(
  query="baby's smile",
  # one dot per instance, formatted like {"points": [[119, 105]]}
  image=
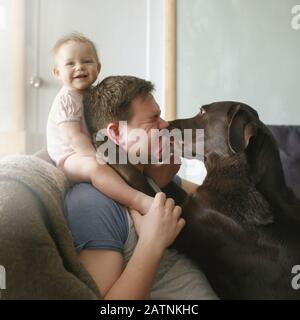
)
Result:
{"points": [[81, 76]]}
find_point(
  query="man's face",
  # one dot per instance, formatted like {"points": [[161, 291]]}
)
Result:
{"points": [[145, 116]]}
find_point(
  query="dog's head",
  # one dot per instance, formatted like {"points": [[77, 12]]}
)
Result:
{"points": [[228, 127], [232, 128]]}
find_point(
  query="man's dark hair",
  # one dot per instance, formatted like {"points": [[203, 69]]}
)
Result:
{"points": [[109, 101]]}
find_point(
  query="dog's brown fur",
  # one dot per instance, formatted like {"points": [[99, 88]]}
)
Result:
{"points": [[243, 225]]}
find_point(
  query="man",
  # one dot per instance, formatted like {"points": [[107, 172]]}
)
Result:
{"points": [[127, 255]]}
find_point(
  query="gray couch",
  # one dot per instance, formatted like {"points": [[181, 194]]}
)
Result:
{"points": [[36, 246], [288, 140]]}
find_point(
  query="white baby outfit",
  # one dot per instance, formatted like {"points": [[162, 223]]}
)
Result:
{"points": [[67, 106]]}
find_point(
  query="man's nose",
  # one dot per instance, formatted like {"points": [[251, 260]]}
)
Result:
{"points": [[163, 123]]}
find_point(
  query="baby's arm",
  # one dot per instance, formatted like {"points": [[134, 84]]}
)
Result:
{"points": [[85, 166], [79, 141]]}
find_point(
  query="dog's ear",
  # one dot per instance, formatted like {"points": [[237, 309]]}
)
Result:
{"points": [[241, 128]]}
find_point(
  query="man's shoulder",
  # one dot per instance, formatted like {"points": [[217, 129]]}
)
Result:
{"points": [[95, 220], [85, 195]]}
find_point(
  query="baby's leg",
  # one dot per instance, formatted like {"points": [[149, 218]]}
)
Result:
{"points": [[79, 168], [86, 169]]}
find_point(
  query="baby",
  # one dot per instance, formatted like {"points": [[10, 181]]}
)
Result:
{"points": [[68, 141]]}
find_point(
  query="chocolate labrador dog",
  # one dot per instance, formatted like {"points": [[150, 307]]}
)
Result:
{"points": [[243, 222]]}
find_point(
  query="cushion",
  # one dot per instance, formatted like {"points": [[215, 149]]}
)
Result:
{"points": [[288, 140]]}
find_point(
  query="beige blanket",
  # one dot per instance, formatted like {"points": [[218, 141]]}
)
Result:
{"points": [[36, 247]]}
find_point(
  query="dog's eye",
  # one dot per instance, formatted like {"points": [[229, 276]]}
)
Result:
{"points": [[202, 111]]}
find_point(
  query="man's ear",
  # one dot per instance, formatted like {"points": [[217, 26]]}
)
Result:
{"points": [[113, 132], [56, 73]]}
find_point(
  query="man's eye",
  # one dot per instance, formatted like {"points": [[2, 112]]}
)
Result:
{"points": [[69, 64], [88, 61]]}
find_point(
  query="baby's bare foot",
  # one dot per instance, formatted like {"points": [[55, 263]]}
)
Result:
{"points": [[142, 203]]}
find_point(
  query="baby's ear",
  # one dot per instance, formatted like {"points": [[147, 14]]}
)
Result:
{"points": [[55, 72], [99, 67]]}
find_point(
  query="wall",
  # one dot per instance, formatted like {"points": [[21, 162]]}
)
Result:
{"points": [[239, 50], [5, 65]]}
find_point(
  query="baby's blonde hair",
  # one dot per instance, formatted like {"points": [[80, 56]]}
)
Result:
{"points": [[75, 37]]}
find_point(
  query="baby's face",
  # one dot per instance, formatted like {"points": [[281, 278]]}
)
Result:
{"points": [[76, 65]]}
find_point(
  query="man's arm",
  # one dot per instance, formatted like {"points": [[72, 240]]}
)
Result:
{"points": [[104, 266], [157, 230], [114, 282]]}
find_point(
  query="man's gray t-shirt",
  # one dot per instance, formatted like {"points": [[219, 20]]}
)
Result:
{"points": [[98, 222]]}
